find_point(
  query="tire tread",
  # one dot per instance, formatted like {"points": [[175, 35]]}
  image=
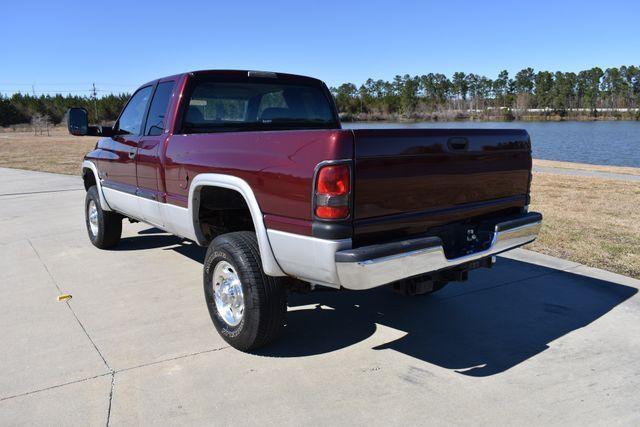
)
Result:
{"points": [[269, 299], [109, 225]]}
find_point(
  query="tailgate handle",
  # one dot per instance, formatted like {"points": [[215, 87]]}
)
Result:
{"points": [[458, 143]]}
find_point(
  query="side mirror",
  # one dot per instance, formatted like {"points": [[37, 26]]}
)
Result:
{"points": [[78, 124]]}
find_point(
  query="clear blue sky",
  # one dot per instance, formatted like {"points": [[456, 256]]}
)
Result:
{"points": [[67, 45]]}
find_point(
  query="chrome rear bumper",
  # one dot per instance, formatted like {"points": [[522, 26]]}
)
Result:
{"points": [[372, 266]]}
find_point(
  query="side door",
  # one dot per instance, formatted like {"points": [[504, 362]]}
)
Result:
{"points": [[118, 161], [148, 162]]}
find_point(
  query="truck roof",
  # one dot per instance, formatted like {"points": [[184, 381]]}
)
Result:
{"points": [[243, 73]]}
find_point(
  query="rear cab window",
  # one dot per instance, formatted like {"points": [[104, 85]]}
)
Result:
{"points": [[217, 104], [156, 120]]}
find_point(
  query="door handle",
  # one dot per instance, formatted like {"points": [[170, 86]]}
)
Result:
{"points": [[132, 155], [458, 143]]}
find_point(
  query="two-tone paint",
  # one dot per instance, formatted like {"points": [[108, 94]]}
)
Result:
{"points": [[405, 182]]}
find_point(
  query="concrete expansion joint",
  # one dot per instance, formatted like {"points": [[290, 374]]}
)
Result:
{"points": [[113, 380], [113, 372], [28, 193], [67, 302], [53, 387]]}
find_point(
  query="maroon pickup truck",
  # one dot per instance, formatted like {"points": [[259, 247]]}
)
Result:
{"points": [[256, 167]]}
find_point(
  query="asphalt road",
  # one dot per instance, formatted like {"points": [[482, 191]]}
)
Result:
{"points": [[535, 340]]}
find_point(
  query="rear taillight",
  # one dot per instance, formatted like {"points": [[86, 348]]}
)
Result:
{"points": [[332, 189]]}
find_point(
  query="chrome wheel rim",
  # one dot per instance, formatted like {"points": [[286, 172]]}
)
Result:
{"points": [[92, 214], [227, 293]]}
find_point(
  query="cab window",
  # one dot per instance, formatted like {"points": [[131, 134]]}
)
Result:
{"points": [[158, 110], [130, 121]]}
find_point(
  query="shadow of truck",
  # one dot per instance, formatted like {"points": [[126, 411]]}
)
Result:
{"points": [[479, 328], [498, 319]]}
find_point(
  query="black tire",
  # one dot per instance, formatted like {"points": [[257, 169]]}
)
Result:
{"points": [[265, 297], [109, 227]]}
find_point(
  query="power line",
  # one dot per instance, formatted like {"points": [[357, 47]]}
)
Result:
{"points": [[77, 88], [56, 91], [95, 100], [69, 84]]}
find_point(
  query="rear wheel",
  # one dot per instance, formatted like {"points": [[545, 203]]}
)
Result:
{"points": [[247, 307], [104, 227]]}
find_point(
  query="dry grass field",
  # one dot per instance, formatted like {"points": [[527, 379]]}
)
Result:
{"points": [[584, 167], [60, 152], [593, 221]]}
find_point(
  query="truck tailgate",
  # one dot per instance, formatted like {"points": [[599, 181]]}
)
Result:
{"points": [[410, 181]]}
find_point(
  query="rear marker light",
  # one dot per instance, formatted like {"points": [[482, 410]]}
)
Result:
{"points": [[329, 212], [333, 184]]}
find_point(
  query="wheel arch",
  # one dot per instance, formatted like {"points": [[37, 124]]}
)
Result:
{"points": [[269, 262], [88, 167]]}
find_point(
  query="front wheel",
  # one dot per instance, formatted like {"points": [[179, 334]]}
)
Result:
{"points": [[104, 228], [247, 307]]}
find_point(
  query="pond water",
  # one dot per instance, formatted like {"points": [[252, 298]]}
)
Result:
{"points": [[602, 143]]}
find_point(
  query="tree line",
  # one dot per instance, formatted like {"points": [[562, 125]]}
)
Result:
{"points": [[613, 92], [23, 108]]}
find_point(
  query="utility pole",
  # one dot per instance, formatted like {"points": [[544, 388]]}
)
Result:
{"points": [[94, 94]]}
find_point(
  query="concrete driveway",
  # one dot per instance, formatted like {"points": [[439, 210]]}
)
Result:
{"points": [[536, 340]]}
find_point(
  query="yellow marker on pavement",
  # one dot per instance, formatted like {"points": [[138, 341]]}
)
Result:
{"points": [[64, 297]]}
